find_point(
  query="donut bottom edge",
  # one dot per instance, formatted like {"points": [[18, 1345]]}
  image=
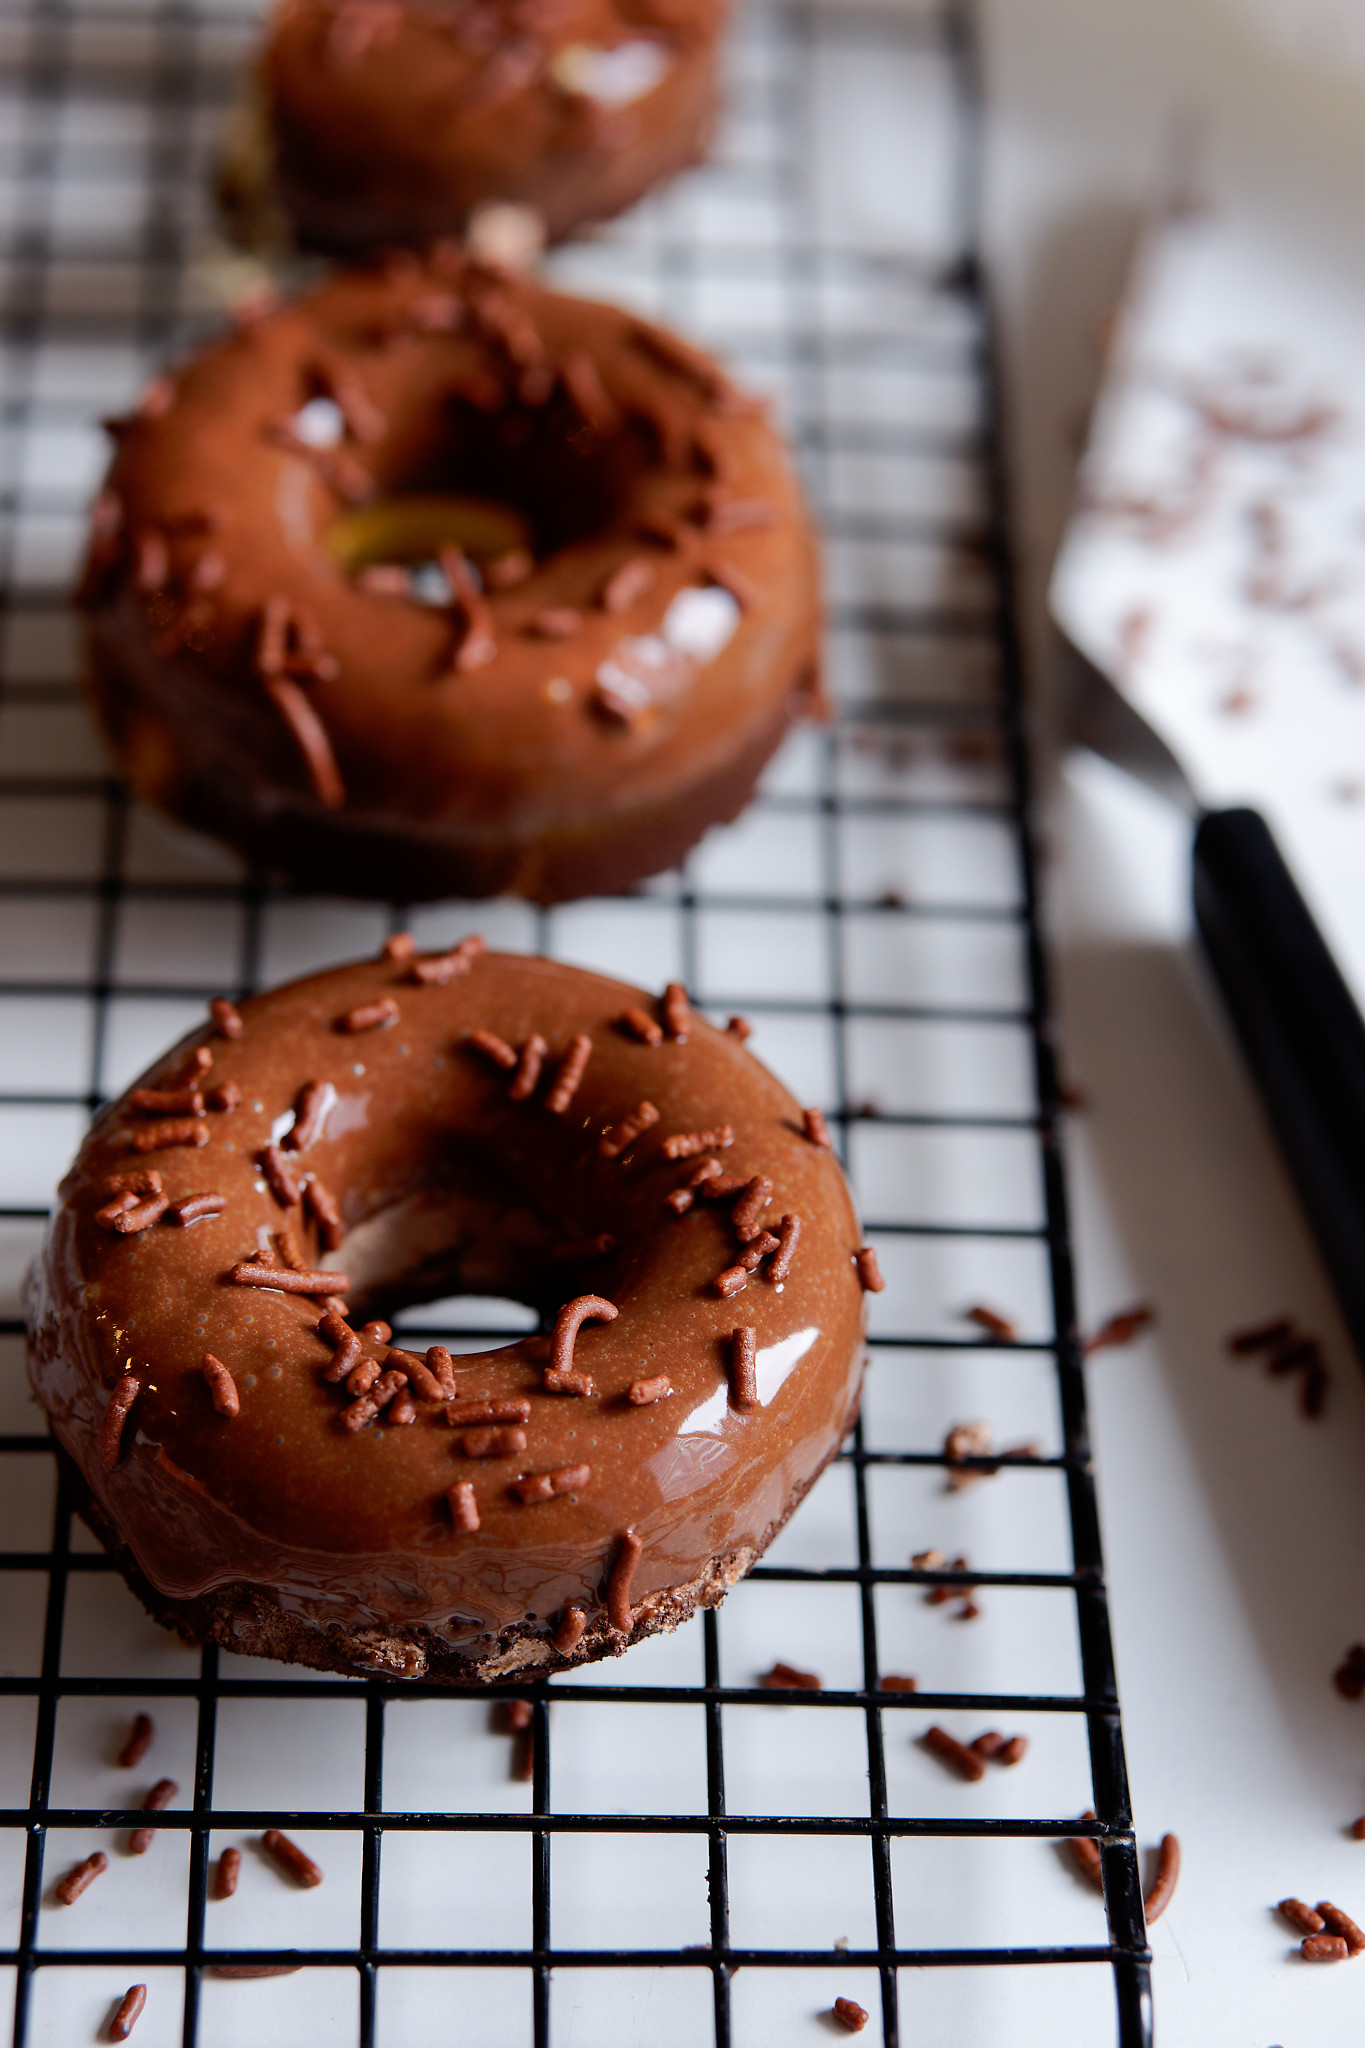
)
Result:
{"points": [[250, 1621]]}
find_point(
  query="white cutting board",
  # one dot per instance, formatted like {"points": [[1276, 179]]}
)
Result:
{"points": [[1215, 566]]}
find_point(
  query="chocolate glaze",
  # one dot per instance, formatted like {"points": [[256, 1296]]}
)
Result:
{"points": [[282, 1530], [391, 121], [463, 751]]}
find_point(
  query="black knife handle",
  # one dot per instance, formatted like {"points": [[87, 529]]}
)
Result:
{"points": [[1303, 1036]]}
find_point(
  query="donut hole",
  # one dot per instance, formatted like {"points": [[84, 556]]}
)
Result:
{"points": [[511, 486]]}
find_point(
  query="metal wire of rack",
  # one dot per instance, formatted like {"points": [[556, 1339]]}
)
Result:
{"points": [[875, 912]]}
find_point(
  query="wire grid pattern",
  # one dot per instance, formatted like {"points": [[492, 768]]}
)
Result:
{"points": [[695, 1857]]}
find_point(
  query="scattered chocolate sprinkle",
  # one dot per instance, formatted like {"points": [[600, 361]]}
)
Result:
{"points": [[143, 1180], [127, 1216], [991, 1321], [369, 1016], [315, 1099], [494, 1443], [615, 1141], [398, 946], [279, 1176], [891, 1681], [644, 1393], [1167, 1876], [288, 1252], [333, 1328], [988, 1745], [221, 1385], [114, 1418], [492, 1047], [743, 1369], [178, 1130], [1323, 1948], [227, 1017], [527, 1077], [577, 1248], [345, 1361], [322, 1208], [253, 1969], [1333, 1918], [438, 968], [1121, 1328], [1014, 1751], [386, 1388], [194, 1066], [682, 1198], [790, 1678], [756, 1251], [464, 1509], [627, 584], [928, 1560], [788, 1238], [363, 1376], [732, 1281], [166, 1102], [69, 1888], [541, 1486], [740, 1028], [229, 1869], [580, 1384], [1264, 1337], [758, 1192], [193, 1208], [1301, 1916], [466, 1412], [721, 1187], [817, 1130], [310, 736], [677, 1012], [850, 2015], [687, 1144], [624, 1561], [557, 622], [869, 1272], [1084, 1851], [636, 1023], [291, 1858], [129, 2012], [569, 1633], [1357, 1829], [162, 1793], [963, 1441], [248, 1275], [954, 1753], [571, 1071], [140, 1739]]}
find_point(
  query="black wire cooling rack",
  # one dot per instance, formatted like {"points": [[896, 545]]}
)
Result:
{"points": [[875, 913]]}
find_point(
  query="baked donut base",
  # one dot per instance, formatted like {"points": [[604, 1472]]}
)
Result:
{"points": [[249, 1619]]}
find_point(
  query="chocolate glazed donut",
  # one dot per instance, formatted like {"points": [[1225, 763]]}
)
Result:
{"points": [[272, 1472], [391, 121], [437, 583]]}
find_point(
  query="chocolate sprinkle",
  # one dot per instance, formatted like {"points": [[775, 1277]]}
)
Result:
{"points": [[1323, 1948], [279, 1176], [126, 1215], [569, 1633], [580, 1384], [466, 1412], [817, 1130], [143, 1180], [681, 1198], [557, 622], [624, 1561], [69, 1888], [542, 1486], [321, 1206], [464, 1509], [527, 1077], [584, 1308], [310, 736], [743, 1370], [140, 1739], [492, 1047], [733, 1280], [494, 1443], [369, 1016], [850, 2014], [569, 1253], [756, 1251], [644, 1393], [677, 1012], [194, 1208], [955, 1754], [166, 1102], [315, 1099], [439, 968], [638, 1024], [869, 1272], [1167, 1877], [687, 1144], [225, 1878], [224, 1098], [114, 1418], [740, 1028], [615, 1141], [790, 1678], [227, 1017], [183, 1130], [248, 1275], [129, 2012], [788, 1237], [571, 1071], [221, 1386], [162, 1793], [758, 1192], [398, 946], [291, 1858]]}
